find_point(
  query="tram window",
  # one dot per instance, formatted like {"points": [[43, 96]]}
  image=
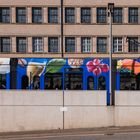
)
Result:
{"points": [[36, 82], [2, 81], [101, 83], [74, 79], [128, 81], [25, 82], [90, 83], [53, 81]]}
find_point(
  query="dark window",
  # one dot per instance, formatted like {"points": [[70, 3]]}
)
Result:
{"points": [[70, 44], [53, 81], [118, 15], [117, 44], [5, 15], [69, 15], [36, 82], [74, 79], [128, 81], [25, 82], [21, 15], [53, 44], [133, 15], [21, 44], [5, 44], [38, 44], [85, 15], [86, 44], [133, 44], [101, 83], [101, 15], [53, 15], [102, 44], [90, 83], [2, 81], [37, 15]]}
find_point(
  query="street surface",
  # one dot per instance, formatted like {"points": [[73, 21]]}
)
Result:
{"points": [[74, 136]]}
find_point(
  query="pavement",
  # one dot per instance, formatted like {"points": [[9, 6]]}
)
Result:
{"points": [[67, 132]]}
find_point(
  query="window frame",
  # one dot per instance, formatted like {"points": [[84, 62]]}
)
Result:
{"points": [[36, 16], [103, 44], [101, 14], [86, 47], [56, 47], [86, 15], [70, 17]]}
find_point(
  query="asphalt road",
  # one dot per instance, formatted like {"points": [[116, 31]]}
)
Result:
{"points": [[89, 136]]}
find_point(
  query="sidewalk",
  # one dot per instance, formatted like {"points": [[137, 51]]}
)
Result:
{"points": [[104, 130]]}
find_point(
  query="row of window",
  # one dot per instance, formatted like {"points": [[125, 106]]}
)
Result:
{"points": [[70, 15], [70, 44]]}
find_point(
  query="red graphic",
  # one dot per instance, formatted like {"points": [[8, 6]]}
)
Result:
{"points": [[97, 67]]}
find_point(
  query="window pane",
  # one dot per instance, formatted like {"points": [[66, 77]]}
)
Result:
{"points": [[37, 15], [102, 44], [133, 15], [74, 79], [69, 15], [70, 44], [85, 15], [101, 83], [133, 44], [101, 15], [86, 44], [53, 44], [5, 15], [117, 15], [21, 44], [38, 44], [2, 81], [117, 44], [36, 82], [21, 15], [53, 15], [53, 81], [5, 44], [90, 83]]}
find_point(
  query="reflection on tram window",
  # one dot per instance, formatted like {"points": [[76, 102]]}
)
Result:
{"points": [[90, 83], [2, 81], [36, 82], [53, 81], [129, 81], [74, 79], [25, 82], [101, 83]]}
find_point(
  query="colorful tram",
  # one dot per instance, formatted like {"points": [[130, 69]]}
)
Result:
{"points": [[69, 74]]}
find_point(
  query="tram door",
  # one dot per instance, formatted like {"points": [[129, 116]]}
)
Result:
{"points": [[138, 81]]}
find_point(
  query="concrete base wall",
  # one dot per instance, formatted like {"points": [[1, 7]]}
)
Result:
{"points": [[40, 110]]}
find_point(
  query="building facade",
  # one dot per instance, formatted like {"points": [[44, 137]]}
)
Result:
{"points": [[74, 39]]}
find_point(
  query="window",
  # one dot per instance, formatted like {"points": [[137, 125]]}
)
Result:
{"points": [[2, 81], [101, 15], [102, 44], [21, 44], [70, 44], [53, 81], [117, 15], [53, 15], [25, 82], [90, 83], [37, 15], [5, 15], [133, 15], [101, 83], [37, 44], [85, 15], [36, 82], [53, 44], [128, 81], [74, 79], [117, 44], [5, 44], [133, 44], [86, 44], [21, 15], [69, 15]]}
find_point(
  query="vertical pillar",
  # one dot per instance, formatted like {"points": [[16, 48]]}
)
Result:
{"points": [[45, 15], [78, 45], [78, 15], [13, 15], [94, 16], [125, 45], [29, 15], [13, 44], [29, 44], [94, 46], [125, 15], [45, 45]]}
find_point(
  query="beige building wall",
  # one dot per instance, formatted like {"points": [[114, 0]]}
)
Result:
{"points": [[76, 30]]}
